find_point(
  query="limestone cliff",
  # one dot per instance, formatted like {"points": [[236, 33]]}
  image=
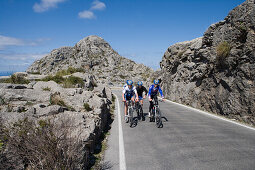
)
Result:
{"points": [[216, 72]]}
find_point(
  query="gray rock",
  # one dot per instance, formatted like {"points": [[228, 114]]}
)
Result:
{"points": [[192, 73], [96, 57]]}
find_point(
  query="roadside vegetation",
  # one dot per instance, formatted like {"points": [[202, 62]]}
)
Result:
{"points": [[15, 80], [41, 145]]}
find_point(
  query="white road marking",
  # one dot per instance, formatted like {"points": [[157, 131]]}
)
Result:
{"points": [[122, 159], [211, 115]]}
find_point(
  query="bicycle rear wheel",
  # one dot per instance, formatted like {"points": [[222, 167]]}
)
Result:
{"points": [[131, 120], [158, 119]]}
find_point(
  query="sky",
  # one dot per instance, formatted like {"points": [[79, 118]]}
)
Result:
{"points": [[140, 30]]}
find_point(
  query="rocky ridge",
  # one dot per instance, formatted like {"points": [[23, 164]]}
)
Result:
{"points": [[216, 72], [96, 56]]}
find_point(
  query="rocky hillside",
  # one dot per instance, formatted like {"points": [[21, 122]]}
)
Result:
{"points": [[216, 72], [96, 56], [40, 119]]}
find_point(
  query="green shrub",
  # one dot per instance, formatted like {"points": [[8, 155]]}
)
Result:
{"points": [[223, 51], [46, 89], [72, 81], [16, 80], [69, 71], [58, 79], [69, 82], [87, 107]]}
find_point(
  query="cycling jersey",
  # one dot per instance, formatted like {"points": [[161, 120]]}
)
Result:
{"points": [[153, 91], [129, 92], [141, 90]]}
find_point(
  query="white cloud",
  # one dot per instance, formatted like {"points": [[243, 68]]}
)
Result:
{"points": [[97, 5], [45, 5], [86, 14], [10, 41], [21, 56], [89, 14]]}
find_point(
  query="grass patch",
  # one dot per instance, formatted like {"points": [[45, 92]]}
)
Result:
{"points": [[58, 79], [87, 107], [223, 51], [69, 71], [46, 89], [15, 80], [69, 82], [72, 81]]}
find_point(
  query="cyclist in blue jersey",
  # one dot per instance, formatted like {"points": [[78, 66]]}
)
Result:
{"points": [[153, 92], [129, 93]]}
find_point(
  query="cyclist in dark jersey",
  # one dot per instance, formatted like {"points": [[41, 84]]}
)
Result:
{"points": [[140, 89]]}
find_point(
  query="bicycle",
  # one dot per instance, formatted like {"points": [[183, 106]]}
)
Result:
{"points": [[156, 113], [130, 113], [139, 110]]}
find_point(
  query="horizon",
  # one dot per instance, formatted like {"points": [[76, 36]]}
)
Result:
{"points": [[141, 31]]}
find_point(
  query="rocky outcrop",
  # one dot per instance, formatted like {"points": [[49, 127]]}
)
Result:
{"points": [[50, 101], [216, 72], [95, 56]]}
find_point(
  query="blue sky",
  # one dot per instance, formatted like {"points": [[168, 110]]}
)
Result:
{"points": [[140, 30]]}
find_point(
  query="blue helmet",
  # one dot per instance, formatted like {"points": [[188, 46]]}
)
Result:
{"points": [[156, 82], [129, 82], [140, 83]]}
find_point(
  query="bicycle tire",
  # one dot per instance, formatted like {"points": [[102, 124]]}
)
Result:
{"points": [[131, 117], [158, 118]]}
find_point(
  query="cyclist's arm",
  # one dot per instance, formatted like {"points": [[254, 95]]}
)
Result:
{"points": [[145, 90], [149, 94], [136, 95], [123, 94], [160, 91]]}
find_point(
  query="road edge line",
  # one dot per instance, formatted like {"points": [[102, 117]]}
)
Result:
{"points": [[122, 159], [210, 114]]}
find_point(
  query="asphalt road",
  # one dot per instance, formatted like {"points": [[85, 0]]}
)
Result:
{"points": [[188, 140]]}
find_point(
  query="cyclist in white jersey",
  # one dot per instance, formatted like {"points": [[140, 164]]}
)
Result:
{"points": [[129, 93]]}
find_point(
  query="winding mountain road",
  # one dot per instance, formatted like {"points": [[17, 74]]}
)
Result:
{"points": [[190, 139]]}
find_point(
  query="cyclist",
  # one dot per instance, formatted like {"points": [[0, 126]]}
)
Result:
{"points": [[153, 92], [129, 93], [140, 89]]}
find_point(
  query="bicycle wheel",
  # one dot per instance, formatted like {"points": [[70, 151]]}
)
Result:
{"points": [[138, 113], [127, 118], [158, 118], [141, 113], [131, 117]]}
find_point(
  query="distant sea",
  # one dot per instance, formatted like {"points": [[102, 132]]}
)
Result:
{"points": [[6, 73]]}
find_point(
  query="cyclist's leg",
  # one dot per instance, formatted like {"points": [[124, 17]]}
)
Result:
{"points": [[151, 106]]}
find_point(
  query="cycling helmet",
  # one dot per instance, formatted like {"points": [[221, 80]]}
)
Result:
{"points": [[129, 82], [140, 83], [156, 82]]}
